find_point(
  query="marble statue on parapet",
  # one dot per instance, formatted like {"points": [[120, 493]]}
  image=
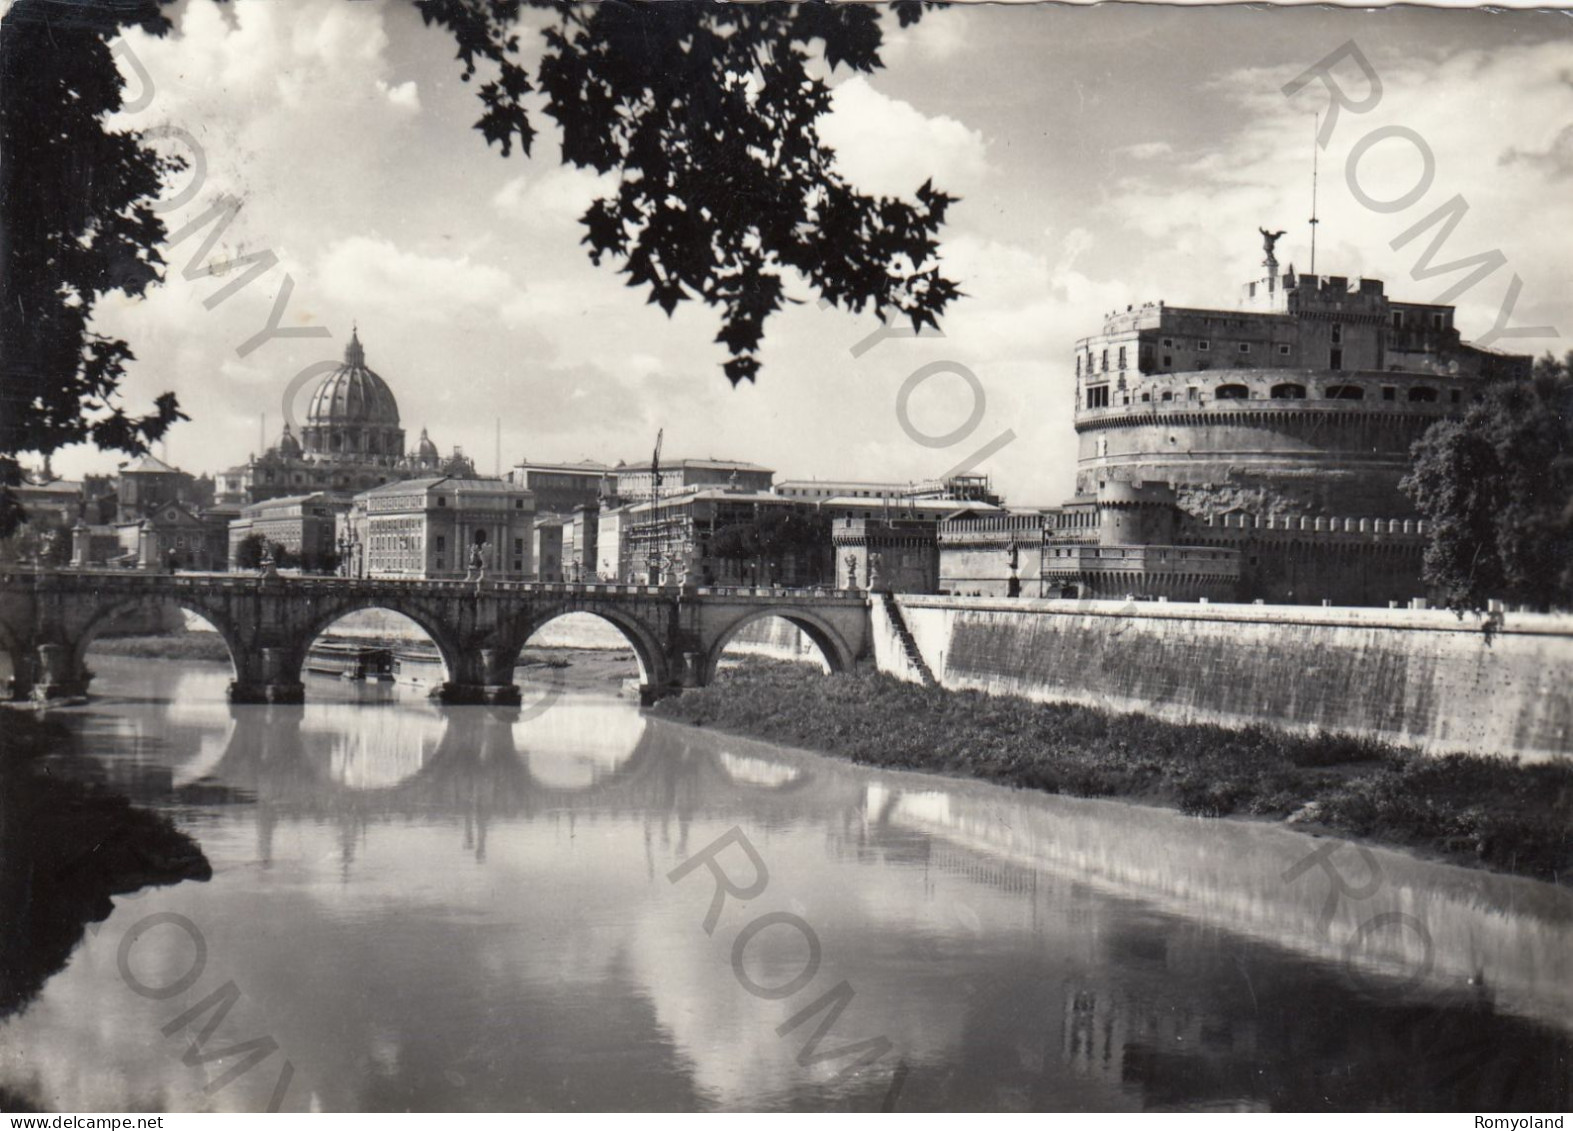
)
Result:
{"points": [[477, 570], [270, 564], [874, 579], [852, 571]]}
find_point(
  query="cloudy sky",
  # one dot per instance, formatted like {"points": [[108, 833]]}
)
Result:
{"points": [[1105, 156]]}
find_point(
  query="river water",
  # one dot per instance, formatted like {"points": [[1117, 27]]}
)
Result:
{"points": [[405, 906]]}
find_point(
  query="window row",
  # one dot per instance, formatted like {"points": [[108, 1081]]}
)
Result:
{"points": [[1098, 395]]}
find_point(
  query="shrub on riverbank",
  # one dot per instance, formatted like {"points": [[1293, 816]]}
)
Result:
{"points": [[1512, 817], [174, 646]]}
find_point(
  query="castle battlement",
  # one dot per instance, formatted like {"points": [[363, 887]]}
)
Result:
{"points": [[1282, 426]]}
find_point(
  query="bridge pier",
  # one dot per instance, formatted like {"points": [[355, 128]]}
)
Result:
{"points": [[267, 678], [488, 694], [279, 692], [58, 676], [485, 676]]}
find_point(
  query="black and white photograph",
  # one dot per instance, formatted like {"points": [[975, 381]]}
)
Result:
{"points": [[708, 556]]}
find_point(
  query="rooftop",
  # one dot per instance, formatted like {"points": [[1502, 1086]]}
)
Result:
{"points": [[148, 464], [447, 483], [707, 463], [583, 465]]}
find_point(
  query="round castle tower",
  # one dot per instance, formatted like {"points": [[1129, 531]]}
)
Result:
{"points": [[1305, 400]]}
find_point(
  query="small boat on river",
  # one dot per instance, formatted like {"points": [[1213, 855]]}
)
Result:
{"points": [[350, 659]]}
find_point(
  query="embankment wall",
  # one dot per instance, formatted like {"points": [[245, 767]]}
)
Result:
{"points": [[1418, 677]]}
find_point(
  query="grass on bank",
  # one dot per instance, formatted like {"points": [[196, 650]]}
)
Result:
{"points": [[1511, 817], [173, 646]]}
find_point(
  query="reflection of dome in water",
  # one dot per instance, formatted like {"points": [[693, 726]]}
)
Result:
{"points": [[369, 748], [572, 745]]}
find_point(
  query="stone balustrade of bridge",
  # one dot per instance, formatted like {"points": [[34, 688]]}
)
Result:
{"points": [[48, 619]]}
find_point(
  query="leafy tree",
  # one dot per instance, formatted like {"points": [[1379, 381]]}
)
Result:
{"points": [[772, 535], [783, 531], [77, 224], [325, 562], [1496, 490], [248, 552], [707, 109], [736, 542]]}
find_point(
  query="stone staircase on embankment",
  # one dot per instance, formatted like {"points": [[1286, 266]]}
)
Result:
{"points": [[909, 644]]}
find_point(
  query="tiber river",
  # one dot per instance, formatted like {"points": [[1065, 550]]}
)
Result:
{"points": [[400, 906]]}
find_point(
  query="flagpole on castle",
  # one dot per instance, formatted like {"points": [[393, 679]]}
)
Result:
{"points": [[1315, 145]]}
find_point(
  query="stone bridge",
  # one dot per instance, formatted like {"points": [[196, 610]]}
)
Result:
{"points": [[49, 617]]}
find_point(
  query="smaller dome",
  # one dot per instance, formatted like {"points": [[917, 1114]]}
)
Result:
{"points": [[289, 447], [426, 449]]}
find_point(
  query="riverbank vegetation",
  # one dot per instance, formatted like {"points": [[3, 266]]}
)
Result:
{"points": [[174, 646], [1510, 817], [68, 843]]}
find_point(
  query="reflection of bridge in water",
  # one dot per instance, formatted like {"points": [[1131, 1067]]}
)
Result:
{"points": [[48, 618], [581, 755], [585, 758]]}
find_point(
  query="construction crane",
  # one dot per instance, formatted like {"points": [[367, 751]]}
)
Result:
{"points": [[655, 467], [655, 509]]}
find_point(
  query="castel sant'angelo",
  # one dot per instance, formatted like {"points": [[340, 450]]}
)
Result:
{"points": [[1257, 452]]}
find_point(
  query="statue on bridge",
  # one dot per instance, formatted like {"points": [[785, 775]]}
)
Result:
{"points": [[477, 564], [270, 564], [852, 571]]}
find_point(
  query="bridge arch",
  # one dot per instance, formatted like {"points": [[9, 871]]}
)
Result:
{"points": [[450, 649], [648, 650], [838, 655], [102, 615]]}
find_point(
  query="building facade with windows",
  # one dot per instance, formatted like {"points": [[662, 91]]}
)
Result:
{"points": [[1256, 453], [635, 482], [560, 487], [1307, 398], [435, 528], [716, 536], [957, 489], [169, 537], [305, 526], [548, 546]]}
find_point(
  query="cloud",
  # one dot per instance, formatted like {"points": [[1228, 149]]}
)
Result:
{"points": [[362, 273], [938, 37], [1195, 222], [1146, 151], [556, 195], [889, 147], [404, 95], [1556, 160]]}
